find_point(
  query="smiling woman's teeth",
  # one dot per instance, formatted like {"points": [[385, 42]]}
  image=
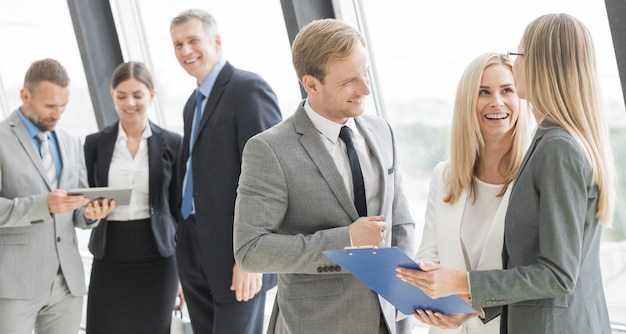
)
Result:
{"points": [[496, 117]]}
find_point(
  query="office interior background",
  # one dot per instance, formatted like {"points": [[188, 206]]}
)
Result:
{"points": [[418, 51]]}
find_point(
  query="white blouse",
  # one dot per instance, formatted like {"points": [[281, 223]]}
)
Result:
{"points": [[477, 219], [329, 133], [127, 171]]}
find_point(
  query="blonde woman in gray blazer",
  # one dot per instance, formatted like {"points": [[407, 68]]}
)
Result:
{"points": [[561, 197], [469, 193]]}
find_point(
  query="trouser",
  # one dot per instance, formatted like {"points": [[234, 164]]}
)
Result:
{"points": [[57, 313], [208, 315]]}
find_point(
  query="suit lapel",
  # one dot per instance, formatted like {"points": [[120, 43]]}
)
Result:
{"points": [[374, 146], [19, 129], [214, 97], [106, 145], [537, 138], [63, 144], [155, 152], [311, 143], [538, 135], [187, 120], [451, 225]]}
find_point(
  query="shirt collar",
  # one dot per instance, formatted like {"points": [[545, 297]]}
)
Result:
{"points": [[32, 129], [207, 85], [327, 127], [121, 134]]}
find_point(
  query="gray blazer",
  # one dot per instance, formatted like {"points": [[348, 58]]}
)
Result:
{"points": [[552, 282], [292, 204], [33, 243]]}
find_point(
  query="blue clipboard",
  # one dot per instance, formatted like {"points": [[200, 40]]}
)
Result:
{"points": [[376, 267]]}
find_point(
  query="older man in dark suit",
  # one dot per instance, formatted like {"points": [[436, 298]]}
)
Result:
{"points": [[227, 108]]}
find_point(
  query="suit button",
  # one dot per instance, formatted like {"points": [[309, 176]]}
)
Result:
{"points": [[319, 269], [325, 269], [337, 268], [58, 239]]}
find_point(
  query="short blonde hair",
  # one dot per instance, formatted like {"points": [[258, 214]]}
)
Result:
{"points": [[321, 42], [467, 139], [562, 81]]}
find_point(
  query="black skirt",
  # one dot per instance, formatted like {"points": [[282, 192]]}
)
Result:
{"points": [[132, 288]]}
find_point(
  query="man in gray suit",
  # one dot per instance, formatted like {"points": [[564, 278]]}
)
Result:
{"points": [[42, 281], [300, 193]]}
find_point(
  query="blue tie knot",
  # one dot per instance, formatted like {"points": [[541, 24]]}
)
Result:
{"points": [[199, 99]]}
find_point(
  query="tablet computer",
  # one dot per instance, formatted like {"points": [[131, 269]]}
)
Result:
{"points": [[120, 195]]}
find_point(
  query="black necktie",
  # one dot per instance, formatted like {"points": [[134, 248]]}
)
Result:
{"points": [[357, 176]]}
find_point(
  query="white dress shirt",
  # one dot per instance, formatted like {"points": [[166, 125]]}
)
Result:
{"points": [[127, 171], [329, 133]]}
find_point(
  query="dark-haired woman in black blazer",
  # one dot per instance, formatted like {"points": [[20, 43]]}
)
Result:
{"points": [[134, 281]]}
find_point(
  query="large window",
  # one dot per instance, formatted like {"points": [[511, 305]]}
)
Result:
{"points": [[254, 38], [420, 50], [31, 31]]}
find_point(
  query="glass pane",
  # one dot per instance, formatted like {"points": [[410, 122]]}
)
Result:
{"points": [[422, 49], [254, 38], [33, 30]]}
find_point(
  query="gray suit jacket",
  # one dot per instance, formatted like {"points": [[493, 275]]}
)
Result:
{"points": [[292, 204], [553, 282], [33, 243]]}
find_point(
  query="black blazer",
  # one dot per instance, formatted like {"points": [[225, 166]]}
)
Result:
{"points": [[240, 105], [163, 151]]}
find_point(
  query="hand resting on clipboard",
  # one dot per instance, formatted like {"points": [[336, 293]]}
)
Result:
{"points": [[376, 267]]}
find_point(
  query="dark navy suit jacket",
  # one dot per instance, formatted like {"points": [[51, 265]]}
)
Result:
{"points": [[240, 105]]}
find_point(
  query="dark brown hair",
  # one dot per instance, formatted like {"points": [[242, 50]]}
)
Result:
{"points": [[132, 69], [46, 70]]}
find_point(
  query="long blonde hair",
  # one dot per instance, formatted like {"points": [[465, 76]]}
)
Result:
{"points": [[560, 70], [466, 138]]}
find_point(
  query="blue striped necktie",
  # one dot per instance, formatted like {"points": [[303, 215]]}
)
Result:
{"points": [[46, 158]]}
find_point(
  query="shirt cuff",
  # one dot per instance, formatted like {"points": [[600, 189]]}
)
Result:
{"points": [[91, 222]]}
